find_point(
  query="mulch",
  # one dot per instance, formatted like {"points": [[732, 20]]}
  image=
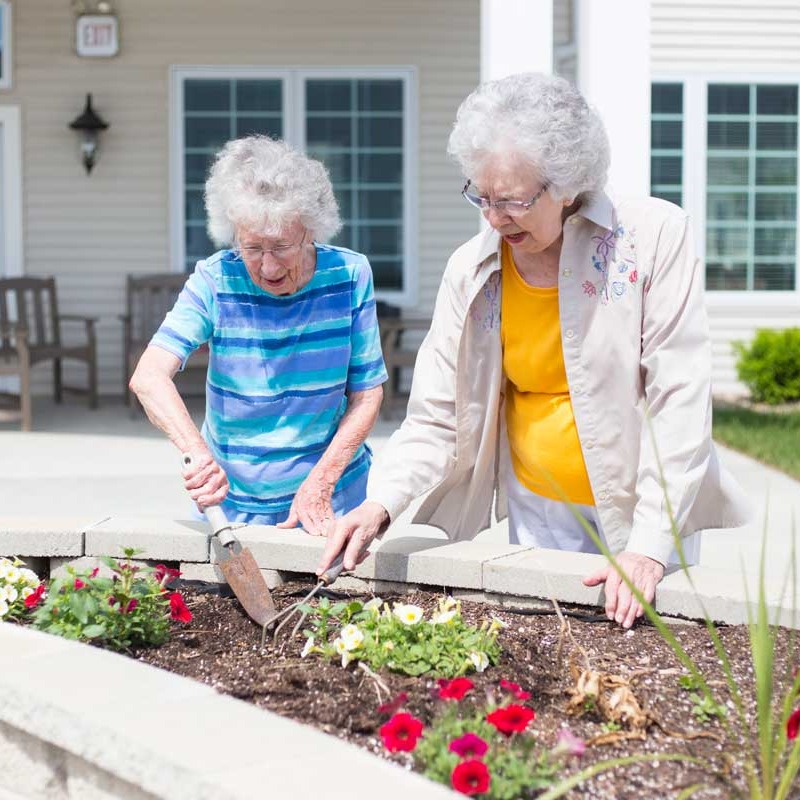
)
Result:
{"points": [[222, 648]]}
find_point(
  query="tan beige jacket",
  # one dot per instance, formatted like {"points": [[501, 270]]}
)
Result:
{"points": [[634, 334]]}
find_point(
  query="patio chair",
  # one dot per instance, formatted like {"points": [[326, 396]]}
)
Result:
{"points": [[31, 332], [148, 298], [399, 345]]}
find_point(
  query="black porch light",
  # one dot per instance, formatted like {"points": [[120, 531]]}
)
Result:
{"points": [[89, 125]]}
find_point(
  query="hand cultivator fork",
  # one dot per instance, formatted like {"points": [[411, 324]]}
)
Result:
{"points": [[324, 580]]}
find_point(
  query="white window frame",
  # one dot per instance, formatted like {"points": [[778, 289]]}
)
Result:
{"points": [[10, 119], [5, 78], [294, 132], [695, 105]]}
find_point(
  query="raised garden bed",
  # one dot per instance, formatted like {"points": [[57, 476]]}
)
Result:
{"points": [[222, 648]]}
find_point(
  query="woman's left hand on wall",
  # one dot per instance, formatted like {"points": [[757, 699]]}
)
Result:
{"points": [[621, 604], [311, 507]]}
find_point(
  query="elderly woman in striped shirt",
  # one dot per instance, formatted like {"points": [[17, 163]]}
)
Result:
{"points": [[295, 369]]}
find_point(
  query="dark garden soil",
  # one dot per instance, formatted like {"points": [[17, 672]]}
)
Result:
{"points": [[221, 648]]}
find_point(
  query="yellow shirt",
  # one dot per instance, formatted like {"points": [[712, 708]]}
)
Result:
{"points": [[542, 435]]}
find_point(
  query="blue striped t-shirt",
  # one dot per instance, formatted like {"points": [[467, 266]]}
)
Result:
{"points": [[278, 371]]}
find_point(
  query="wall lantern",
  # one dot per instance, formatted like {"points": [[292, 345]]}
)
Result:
{"points": [[89, 125]]}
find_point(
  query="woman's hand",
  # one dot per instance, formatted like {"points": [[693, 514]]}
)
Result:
{"points": [[205, 480], [621, 605], [311, 506], [353, 534]]}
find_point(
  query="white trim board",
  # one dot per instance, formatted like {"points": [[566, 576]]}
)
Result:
{"points": [[5, 40], [11, 142]]}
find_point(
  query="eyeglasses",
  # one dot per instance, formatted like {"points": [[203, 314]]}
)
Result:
{"points": [[513, 208], [255, 253]]}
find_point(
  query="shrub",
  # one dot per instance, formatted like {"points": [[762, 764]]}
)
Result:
{"points": [[132, 608], [770, 365]]}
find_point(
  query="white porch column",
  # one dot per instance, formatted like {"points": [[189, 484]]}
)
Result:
{"points": [[614, 76], [516, 36]]}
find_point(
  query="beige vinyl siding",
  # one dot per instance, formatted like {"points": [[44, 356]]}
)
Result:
{"points": [[91, 231], [725, 36]]}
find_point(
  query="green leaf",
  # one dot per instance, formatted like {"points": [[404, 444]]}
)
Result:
{"points": [[94, 631]]}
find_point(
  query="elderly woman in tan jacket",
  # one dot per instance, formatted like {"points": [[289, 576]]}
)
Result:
{"points": [[556, 332]]}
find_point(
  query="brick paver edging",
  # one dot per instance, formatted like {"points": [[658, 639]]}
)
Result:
{"points": [[482, 568]]}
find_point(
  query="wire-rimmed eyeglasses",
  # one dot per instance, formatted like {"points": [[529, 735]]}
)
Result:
{"points": [[254, 254], [513, 208]]}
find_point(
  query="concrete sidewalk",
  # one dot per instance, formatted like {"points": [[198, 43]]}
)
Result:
{"points": [[95, 464]]}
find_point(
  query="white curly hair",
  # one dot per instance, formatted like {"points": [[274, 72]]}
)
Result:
{"points": [[544, 120], [265, 185]]}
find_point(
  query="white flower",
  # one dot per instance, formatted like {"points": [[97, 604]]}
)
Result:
{"points": [[408, 614], [3, 608], [30, 577], [11, 594], [308, 647], [479, 660], [12, 575], [5, 566], [26, 592], [448, 603], [351, 636], [443, 617], [341, 649], [374, 605]]}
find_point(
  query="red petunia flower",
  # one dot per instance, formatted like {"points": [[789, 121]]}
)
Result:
{"points": [[468, 746], [393, 705], [162, 572], [515, 689], [132, 603], [79, 584], [177, 608], [511, 719], [471, 777], [33, 600], [93, 573], [793, 725], [454, 689], [401, 733]]}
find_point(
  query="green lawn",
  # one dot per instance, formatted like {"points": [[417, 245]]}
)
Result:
{"points": [[768, 437]]}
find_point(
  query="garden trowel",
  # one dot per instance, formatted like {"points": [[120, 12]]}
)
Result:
{"points": [[239, 567]]}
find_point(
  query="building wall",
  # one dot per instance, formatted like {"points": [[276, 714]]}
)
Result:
{"points": [[91, 231], [718, 38]]}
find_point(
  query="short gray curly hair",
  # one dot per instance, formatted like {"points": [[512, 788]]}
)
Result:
{"points": [[266, 185], [543, 119]]}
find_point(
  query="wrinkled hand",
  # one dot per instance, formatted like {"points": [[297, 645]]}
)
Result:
{"points": [[205, 480], [621, 605], [311, 506], [353, 534]]}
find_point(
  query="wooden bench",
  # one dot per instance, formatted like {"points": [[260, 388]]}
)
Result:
{"points": [[148, 299], [399, 352], [31, 332]]}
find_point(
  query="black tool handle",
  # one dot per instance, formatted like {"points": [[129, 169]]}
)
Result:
{"points": [[333, 571]]}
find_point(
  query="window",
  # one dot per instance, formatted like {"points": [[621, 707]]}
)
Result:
{"points": [[751, 191], [357, 124], [666, 142], [5, 44]]}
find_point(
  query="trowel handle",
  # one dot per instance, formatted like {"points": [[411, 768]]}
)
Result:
{"points": [[333, 571], [214, 514]]}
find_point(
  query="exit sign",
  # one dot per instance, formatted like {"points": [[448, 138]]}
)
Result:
{"points": [[97, 36]]}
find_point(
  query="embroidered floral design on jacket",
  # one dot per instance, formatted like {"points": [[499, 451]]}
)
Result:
{"points": [[614, 260], [485, 309]]}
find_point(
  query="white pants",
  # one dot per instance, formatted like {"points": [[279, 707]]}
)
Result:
{"points": [[538, 521]]}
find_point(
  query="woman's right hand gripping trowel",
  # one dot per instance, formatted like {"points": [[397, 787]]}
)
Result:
{"points": [[239, 567]]}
